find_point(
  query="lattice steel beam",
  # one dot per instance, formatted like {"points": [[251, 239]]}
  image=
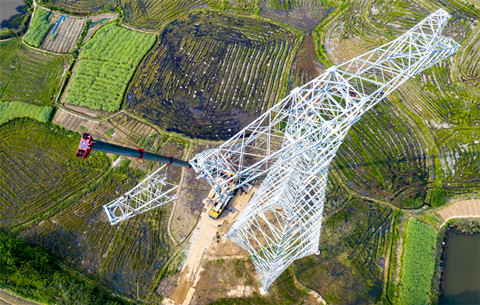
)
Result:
{"points": [[292, 144], [151, 193]]}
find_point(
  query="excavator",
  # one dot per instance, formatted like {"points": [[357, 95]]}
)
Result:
{"points": [[87, 144]]}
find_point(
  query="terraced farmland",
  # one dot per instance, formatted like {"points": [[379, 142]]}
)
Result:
{"points": [[28, 75], [383, 157], [152, 14], [127, 257], [353, 247], [469, 61], [82, 6], [66, 34], [40, 171], [108, 62], [210, 75]]}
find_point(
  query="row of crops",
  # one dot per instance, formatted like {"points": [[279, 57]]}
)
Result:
{"points": [[108, 62], [39, 27], [353, 245], [153, 14], [40, 171], [383, 158], [418, 264], [28, 75], [81, 6], [215, 72], [13, 110], [127, 257]]}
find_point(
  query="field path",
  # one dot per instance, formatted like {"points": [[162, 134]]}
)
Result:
{"points": [[461, 209], [9, 299]]}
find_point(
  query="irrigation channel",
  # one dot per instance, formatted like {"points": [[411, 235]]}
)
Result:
{"points": [[461, 273], [8, 9]]}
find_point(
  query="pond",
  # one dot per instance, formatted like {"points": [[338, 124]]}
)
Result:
{"points": [[8, 9], [461, 272]]}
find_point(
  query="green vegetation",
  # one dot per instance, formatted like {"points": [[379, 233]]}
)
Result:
{"points": [[31, 272], [418, 263], [153, 14], [397, 173], [82, 7], [18, 24], [211, 74], [39, 27], [40, 171], [126, 257], [356, 236], [13, 110], [28, 75], [108, 62]]}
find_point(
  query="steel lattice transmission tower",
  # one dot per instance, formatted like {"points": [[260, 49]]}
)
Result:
{"points": [[291, 145], [151, 193]]}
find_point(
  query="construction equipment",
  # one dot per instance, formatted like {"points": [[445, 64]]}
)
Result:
{"points": [[291, 145], [87, 143], [223, 197]]}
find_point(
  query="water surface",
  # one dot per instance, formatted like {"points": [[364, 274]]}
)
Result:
{"points": [[461, 273], [8, 9]]}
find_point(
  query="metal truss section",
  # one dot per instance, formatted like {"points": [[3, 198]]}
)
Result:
{"points": [[321, 107], [151, 193], [291, 146]]}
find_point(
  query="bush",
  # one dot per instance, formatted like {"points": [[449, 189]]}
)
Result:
{"points": [[418, 263], [32, 272], [39, 28]]}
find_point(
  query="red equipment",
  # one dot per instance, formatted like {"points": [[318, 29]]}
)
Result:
{"points": [[85, 146]]}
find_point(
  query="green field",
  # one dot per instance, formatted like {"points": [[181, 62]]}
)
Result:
{"points": [[13, 110], [40, 171], [81, 7], [108, 62], [418, 263], [39, 27], [210, 75], [28, 75]]}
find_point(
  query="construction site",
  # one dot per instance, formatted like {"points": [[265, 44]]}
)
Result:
{"points": [[229, 157]]}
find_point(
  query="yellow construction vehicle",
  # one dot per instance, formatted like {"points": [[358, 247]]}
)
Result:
{"points": [[221, 200]]}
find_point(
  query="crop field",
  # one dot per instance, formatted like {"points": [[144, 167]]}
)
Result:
{"points": [[424, 132], [210, 75], [28, 75], [418, 263], [469, 59], [383, 157], [40, 171], [152, 14], [66, 34], [13, 110], [108, 62], [353, 247], [81, 6], [39, 27], [127, 257]]}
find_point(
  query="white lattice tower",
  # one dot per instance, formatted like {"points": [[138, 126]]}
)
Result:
{"points": [[293, 143], [154, 191]]}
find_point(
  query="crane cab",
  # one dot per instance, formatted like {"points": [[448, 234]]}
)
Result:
{"points": [[224, 196], [85, 146]]}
